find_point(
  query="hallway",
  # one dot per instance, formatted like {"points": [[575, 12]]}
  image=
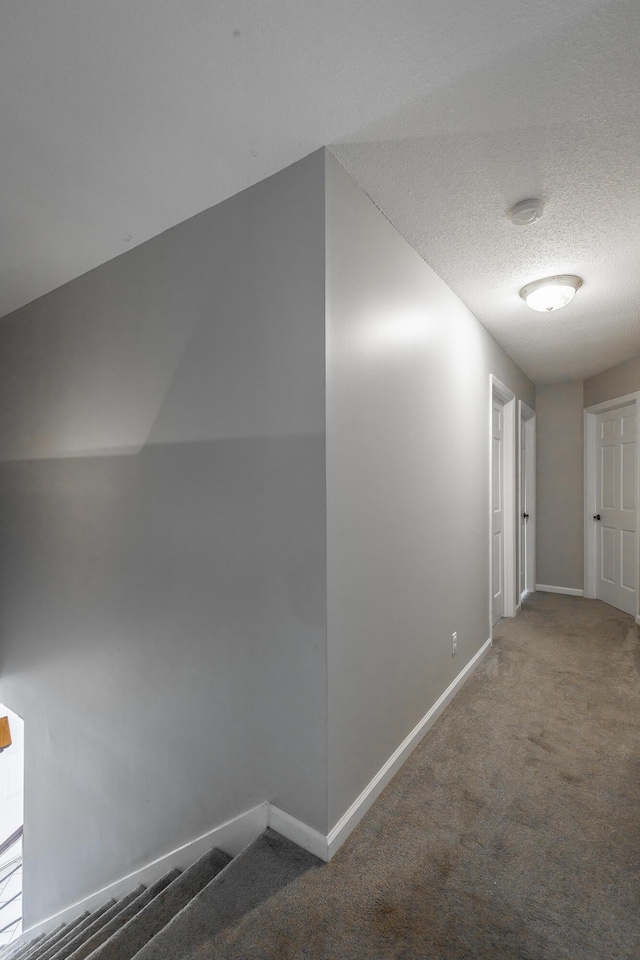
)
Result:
{"points": [[511, 832]]}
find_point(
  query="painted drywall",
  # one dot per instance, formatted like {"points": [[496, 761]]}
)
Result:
{"points": [[408, 398], [165, 473], [163, 571], [613, 383], [559, 485]]}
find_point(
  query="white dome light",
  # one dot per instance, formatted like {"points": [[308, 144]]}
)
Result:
{"points": [[552, 293]]}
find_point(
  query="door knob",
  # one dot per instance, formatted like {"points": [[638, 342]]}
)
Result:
{"points": [[525, 516], [596, 516]]}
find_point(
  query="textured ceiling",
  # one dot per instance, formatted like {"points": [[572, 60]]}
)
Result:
{"points": [[119, 120]]}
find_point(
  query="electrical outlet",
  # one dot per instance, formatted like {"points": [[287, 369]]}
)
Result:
{"points": [[454, 643]]}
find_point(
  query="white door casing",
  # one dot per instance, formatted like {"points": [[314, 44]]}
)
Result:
{"points": [[497, 513], [502, 484], [527, 500], [611, 493]]}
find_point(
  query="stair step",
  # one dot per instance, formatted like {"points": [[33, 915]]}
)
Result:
{"points": [[55, 937], [11, 950], [36, 943], [261, 870], [129, 910], [84, 924], [140, 929], [98, 924], [20, 947]]}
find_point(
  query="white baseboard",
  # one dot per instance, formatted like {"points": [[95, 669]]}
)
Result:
{"points": [[325, 847], [638, 621], [297, 831], [568, 591], [236, 834], [359, 807], [232, 837]]}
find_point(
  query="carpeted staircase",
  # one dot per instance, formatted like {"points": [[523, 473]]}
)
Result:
{"points": [[180, 912]]}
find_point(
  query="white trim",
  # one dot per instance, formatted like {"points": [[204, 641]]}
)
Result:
{"points": [[325, 847], [568, 591], [638, 620], [590, 448], [339, 833], [613, 404], [236, 834], [508, 399], [298, 832], [232, 837], [589, 503], [527, 422]]}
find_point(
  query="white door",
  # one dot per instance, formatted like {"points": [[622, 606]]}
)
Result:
{"points": [[616, 509], [497, 512]]}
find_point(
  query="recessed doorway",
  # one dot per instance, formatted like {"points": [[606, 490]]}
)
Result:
{"points": [[503, 503]]}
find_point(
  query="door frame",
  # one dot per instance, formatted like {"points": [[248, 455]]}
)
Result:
{"points": [[527, 426], [508, 399], [590, 450]]}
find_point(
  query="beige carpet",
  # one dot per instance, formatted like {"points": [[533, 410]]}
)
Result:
{"points": [[513, 831]]}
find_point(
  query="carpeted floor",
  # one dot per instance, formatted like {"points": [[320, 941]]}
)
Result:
{"points": [[513, 831]]}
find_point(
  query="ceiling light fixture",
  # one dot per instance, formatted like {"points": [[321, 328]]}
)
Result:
{"points": [[526, 212], [552, 293]]}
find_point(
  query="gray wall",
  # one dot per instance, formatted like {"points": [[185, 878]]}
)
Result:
{"points": [[407, 486], [163, 570], [560, 469], [559, 485], [613, 383], [174, 631]]}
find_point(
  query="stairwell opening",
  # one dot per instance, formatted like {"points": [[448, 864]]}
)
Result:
{"points": [[11, 820]]}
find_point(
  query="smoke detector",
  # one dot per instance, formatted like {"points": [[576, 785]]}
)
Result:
{"points": [[526, 212]]}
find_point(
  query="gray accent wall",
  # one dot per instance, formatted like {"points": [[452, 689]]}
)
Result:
{"points": [[162, 532], [560, 485], [407, 486], [244, 488], [616, 382]]}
